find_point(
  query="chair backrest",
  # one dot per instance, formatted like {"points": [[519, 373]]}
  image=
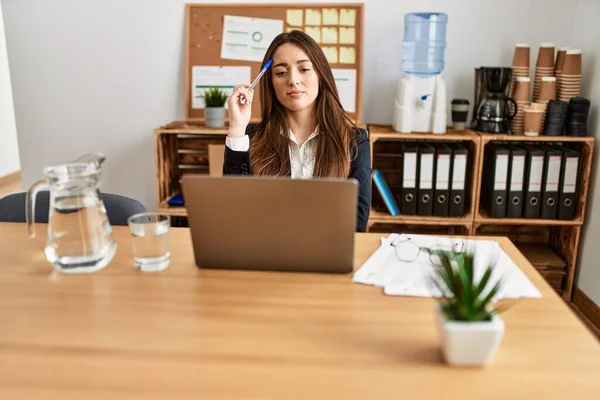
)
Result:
{"points": [[118, 208]]}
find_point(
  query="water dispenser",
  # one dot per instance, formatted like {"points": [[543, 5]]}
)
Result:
{"points": [[420, 104]]}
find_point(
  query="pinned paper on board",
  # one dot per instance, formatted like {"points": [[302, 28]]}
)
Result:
{"points": [[330, 16], [248, 38], [330, 35], [347, 17], [294, 17], [347, 35], [347, 55], [225, 78], [314, 32], [331, 53], [345, 81], [313, 17]]}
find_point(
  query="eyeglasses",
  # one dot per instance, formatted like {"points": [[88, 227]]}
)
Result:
{"points": [[408, 251]]}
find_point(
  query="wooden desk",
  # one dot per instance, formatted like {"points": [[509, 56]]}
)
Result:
{"points": [[203, 334]]}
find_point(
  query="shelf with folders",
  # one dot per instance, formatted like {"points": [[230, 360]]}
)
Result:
{"points": [[387, 156], [563, 241], [563, 165]]}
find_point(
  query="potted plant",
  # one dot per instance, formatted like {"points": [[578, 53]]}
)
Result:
{"points": [[470, 328], [214, 109]]}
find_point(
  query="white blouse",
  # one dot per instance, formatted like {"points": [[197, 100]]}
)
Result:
{"points": [[302, 158]]}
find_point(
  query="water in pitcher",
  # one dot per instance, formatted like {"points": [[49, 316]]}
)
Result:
{"points": [[79, 234]]}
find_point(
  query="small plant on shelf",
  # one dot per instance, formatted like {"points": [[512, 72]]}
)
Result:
{"points": [[215, 97], [214, 110]]}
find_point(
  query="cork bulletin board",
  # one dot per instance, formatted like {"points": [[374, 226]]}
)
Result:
{"points": [[338, 28]]}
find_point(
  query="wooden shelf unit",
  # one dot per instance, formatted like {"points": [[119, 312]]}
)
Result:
{"points": [[387, 157], [562, 236], [182, 148], [584, 144]]}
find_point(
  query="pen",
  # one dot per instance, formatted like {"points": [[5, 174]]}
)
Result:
{"points": [[261, 73]]}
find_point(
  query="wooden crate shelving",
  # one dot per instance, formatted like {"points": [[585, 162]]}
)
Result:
{"points": [[386, 145], [181, 148], [584, 144]]}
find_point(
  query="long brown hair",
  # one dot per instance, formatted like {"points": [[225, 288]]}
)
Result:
{"points": [[337, 133]]}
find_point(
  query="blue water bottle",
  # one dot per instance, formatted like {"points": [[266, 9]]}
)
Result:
{"points": [[424, 43]]}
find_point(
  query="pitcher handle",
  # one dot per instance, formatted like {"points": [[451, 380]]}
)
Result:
{"points": [[30, 205]]}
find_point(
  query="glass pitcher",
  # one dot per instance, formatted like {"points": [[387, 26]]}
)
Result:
{"points": [[79, 237]]}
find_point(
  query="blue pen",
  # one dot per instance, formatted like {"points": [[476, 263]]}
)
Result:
{"points": [[262, 72]]}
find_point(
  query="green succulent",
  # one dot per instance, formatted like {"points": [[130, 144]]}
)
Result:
{"points": [[215, 97], [467, 300]]}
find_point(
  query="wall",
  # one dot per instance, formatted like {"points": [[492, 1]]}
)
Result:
{"points": [[9, 150], [586, 32], [100, 76]]}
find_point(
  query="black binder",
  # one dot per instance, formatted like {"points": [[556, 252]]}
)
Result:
{"points": [[495, 179], [567, 193], [458, 182], [551, 181], [408, 205], [426, 162], [441, 189], [534, 170], [516, 175]]}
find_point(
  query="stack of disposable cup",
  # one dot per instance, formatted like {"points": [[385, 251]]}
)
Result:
{"points": [[544, 67], [558, 67], [520, 65], [547, 92], [522, 95], [571, 76]]}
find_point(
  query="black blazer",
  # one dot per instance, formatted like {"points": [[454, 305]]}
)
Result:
{"points": [[238, 163]]}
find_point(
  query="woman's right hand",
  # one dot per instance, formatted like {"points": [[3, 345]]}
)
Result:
{"points": [[239, 114]]}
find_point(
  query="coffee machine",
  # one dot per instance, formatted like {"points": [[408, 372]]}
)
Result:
{"points": [[494, 109]]}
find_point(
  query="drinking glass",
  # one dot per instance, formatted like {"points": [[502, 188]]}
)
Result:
{"points": [[150, 240]]}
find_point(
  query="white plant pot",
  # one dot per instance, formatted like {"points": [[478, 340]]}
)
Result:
{"points": [[215, 117], [469, 343]]}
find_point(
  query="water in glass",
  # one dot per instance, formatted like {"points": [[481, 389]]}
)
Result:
{"points": [[150, 236]]}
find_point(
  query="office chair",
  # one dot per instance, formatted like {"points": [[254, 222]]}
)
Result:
{"points": [[118, 208]]}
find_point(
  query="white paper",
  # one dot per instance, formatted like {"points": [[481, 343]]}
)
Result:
{"points": [[535, 174], [223, 77], [553, 174], [501, 172], [570, 179], [345, 80], [409, 180], [248, 38], [516, 173], [397, 278], [426, 172], [459, 172], [443, 172]]}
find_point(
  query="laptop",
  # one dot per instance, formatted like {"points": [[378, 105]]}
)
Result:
{"points": [[269, 223]]}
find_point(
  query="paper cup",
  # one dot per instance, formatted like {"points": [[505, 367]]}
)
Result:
{"points": [[522, 90], [547, 89], [521, 56], [560, 59], [572, 64], [533, 122], [546, 56]]}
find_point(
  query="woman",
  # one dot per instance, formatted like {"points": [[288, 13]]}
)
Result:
{"points": [[304, 132]]}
